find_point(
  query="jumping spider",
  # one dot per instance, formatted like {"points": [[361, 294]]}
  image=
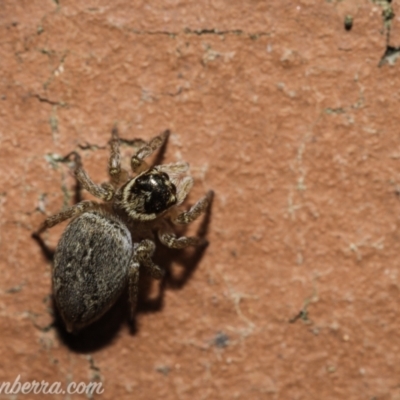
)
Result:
{"points": [[105, 244]]}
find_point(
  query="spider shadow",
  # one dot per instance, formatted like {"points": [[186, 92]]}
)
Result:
{"points": [[102, 332], [165, 257]]}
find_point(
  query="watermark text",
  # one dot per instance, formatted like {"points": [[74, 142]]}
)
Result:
{"points": [[44, 387]]}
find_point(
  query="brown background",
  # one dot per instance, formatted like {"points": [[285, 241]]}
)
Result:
{"points": [[293, 123]]}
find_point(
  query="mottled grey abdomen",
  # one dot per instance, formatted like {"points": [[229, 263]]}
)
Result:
{"points": [[91, 265]]}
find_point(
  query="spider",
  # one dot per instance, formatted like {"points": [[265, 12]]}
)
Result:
{"points": [[105, 244]]}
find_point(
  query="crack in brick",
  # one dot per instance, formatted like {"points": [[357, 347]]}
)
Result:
{"points": [[202, 32], [236, 32], [48, 101]]}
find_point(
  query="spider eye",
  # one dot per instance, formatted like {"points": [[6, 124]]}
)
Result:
{"points": [[156, 190]]}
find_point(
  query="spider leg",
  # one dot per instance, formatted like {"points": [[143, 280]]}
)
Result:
{"points": [[142, 254], [189, 216], [137, 161], [174, 169], [105, 191], [133, 285], [70, 212], [117, 173], [183, 188], [170, 240]]}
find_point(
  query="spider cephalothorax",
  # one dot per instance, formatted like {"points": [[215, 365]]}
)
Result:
{"points": [[146, 196], [105, 244]]}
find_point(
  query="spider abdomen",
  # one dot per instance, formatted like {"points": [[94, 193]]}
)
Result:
{"points": [[91, 267]]}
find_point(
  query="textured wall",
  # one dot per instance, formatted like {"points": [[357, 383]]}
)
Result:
{"points": [[293, 121]]}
